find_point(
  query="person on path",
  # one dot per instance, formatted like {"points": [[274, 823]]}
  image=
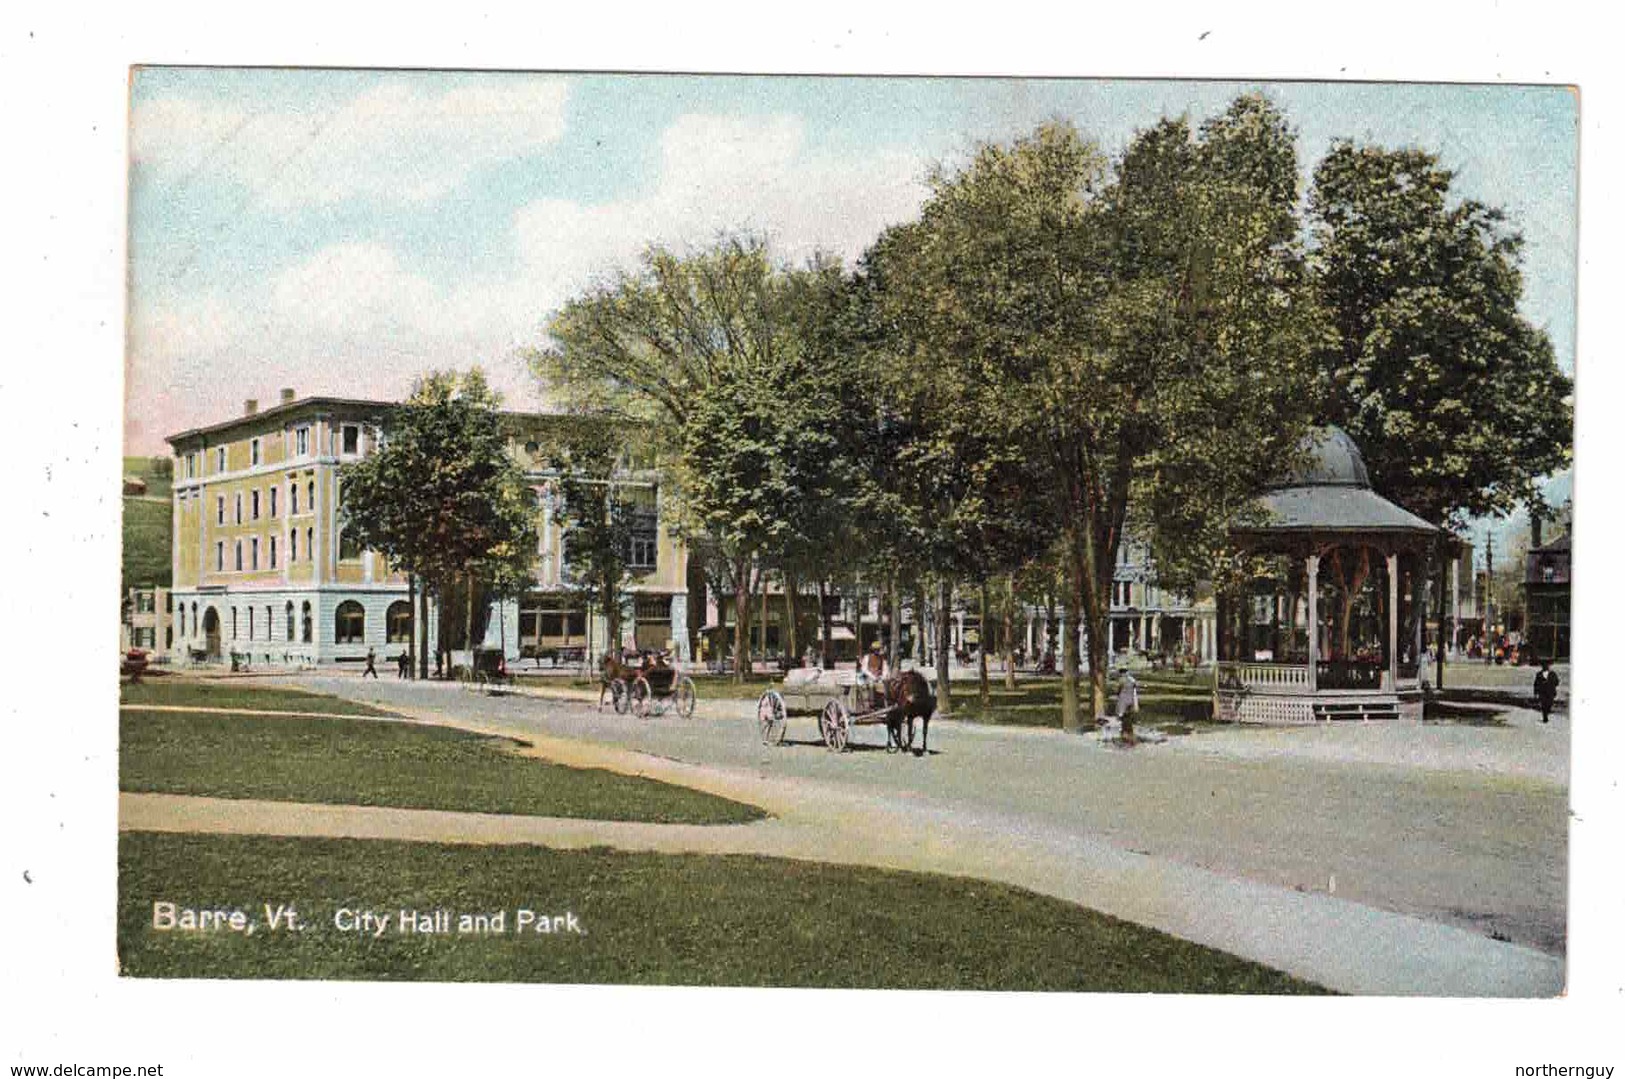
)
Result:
{"points": [[1546, 690], [372, 664], [1128, 697]]}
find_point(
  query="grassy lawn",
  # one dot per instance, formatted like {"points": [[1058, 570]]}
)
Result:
{"points": [[644, 919], [199, 693], [364, 762], [1183, 698]]}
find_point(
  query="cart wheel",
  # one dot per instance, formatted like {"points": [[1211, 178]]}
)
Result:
{"points": [[685, 697], [770, 718], [834, 723], [621, 696], [640, 696]]}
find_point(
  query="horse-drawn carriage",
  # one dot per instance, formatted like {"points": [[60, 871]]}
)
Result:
{"points": [[846, 699], [644, 685]]}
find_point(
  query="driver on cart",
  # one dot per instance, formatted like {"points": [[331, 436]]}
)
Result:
{"points": [[873, 671]]}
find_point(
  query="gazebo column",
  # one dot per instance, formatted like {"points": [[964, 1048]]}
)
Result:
{"points": [[1311, 567], [1393, 622]]}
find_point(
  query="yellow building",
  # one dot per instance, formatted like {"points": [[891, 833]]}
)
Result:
{"points": [[263, 574]]}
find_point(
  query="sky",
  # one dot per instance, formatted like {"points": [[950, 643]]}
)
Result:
{"points": [[342, 232]]}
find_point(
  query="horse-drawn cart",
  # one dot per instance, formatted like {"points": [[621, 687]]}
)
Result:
{"points": [[843, 700], [645, 688]]}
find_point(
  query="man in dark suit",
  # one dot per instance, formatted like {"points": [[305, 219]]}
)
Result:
{"points": [[1546, 690]]}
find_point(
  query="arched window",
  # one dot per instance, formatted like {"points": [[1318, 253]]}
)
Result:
{"points": [[289, 612], [307, 623], [269, 635], [181, 627], [251, 623], [398, 622], [234, 623], [349, 623], [194, 619]]}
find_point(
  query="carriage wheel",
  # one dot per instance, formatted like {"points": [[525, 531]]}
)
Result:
{"points": [[770, 718], [835, 723], [640, 697], [685, 697], [622, 696]]}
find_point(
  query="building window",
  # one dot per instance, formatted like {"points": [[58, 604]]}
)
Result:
{"points": [[293, 546], [254, 553], [293, 499], [253, 451], [239, 556], [273, 502], [237, 509], [288, 613], [181, 621], [191, 465], [219, 509], [234, 623], [273, 552], [194, 619], [220, 556], [349, 623], [220, 459], [251, 623], [302, 438], [398, 622], [306, 625], [645, 542], [310, 490], [254, 504], [310, 544], [267, 621], [352, 439]]}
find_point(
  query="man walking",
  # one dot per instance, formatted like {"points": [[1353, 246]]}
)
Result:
{"points": [[1546, 690], [372, 664]]}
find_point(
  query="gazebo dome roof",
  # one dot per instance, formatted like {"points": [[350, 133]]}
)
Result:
{"points": [[1330, 496], [1335, 462]]}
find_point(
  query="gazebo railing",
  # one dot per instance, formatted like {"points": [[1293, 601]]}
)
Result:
{"points": [[1271, 677]]}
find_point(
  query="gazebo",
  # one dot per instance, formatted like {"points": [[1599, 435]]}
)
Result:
{"points": [[1317, 633]]}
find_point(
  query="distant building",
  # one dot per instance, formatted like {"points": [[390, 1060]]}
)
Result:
{"points": [[147, 620], [1546, 589], [263, 570]]}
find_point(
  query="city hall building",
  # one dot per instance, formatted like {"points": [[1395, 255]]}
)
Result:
{"points": [[263, 574]]}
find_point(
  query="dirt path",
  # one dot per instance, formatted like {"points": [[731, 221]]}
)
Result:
{"points": [[1349, 946]]}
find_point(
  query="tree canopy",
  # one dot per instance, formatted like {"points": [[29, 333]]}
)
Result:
{"points": [[1456, 400]]}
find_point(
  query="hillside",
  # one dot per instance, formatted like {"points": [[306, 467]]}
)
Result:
{"points": [[147, 525]]}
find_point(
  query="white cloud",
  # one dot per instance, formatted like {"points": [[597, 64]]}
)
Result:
{"points": [[394, 142], [355, 319], [722, 173]]}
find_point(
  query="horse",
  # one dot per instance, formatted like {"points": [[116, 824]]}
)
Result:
{"points": [[909, 696]]}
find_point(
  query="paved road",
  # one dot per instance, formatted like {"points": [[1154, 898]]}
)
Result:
{"points": [[1464, 827]]}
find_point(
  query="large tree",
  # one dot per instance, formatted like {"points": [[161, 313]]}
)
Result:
{"points": [[597, 515], [716, 351], [441, 498], [1456, 400], [1131, 335]]}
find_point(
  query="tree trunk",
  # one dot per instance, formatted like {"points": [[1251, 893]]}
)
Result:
{"points": [[761, 584], [894, 654], [1439, 637], [945, 600], [1010, 634], [792, 650], [468, 620], [741, 617], [1070, 718], [411, 638], [826, 646], [919, 623], [984, 692]]}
